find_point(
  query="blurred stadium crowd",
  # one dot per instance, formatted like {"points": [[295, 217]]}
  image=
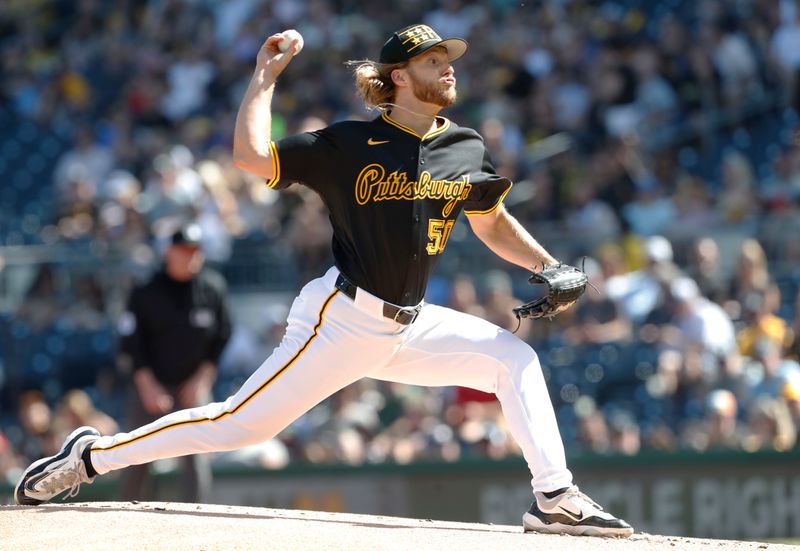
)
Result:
{"points": [[660, 139]]}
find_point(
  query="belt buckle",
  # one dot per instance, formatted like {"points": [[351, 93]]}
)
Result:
{"points": [[412, 311]]}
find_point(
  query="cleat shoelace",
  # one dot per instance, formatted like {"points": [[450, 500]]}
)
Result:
{"points": [[574, 491], [60, 481]]}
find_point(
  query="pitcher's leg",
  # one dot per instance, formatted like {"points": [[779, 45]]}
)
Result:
{"points": [[445, 347], [329, 343], [314, 360]]}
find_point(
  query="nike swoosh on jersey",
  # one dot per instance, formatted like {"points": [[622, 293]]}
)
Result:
{"points": [[373, 141], [576, 516]]}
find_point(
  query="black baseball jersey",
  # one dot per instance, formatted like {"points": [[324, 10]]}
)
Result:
{"points": [[393, 195], [173, 326]]}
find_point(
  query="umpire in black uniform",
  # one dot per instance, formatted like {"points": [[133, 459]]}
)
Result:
{"points": [[173, 332]]}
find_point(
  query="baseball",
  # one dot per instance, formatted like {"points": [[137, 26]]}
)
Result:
{"points": [[288, 36]]}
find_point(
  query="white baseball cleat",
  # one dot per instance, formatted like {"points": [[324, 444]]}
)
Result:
{"points": [[572, 512], [49, 476]]}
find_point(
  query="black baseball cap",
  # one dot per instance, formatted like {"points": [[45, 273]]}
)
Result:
{"points": [[416, 39], [189, 235]]}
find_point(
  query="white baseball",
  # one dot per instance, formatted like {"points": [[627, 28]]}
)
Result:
{"points": [[288, 37]]}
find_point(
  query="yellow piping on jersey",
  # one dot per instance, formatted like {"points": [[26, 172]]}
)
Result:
{"points": [[431, 134], [493, 208], [276, 165], [243, 402]]}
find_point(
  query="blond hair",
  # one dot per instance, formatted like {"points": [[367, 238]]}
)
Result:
{"points": [[374, 82]]}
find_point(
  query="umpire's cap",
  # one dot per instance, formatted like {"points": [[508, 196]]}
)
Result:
{"points": [[189, 235], [416, 39]]}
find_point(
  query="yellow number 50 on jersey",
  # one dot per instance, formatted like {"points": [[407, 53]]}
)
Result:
{"points": [[438, 233]]}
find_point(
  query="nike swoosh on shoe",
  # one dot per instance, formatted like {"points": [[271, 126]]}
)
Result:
{"points": [[574, 515]]}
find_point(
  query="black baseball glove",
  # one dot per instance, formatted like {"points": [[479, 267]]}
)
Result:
{"points": [[565, 285]]}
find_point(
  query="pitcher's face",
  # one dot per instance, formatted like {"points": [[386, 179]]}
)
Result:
{"points": [[433, 78]]}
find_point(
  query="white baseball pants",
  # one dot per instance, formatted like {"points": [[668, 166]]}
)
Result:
{"points": [[332, 341]]}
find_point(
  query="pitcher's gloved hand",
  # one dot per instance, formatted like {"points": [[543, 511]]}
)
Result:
{"points": [[565, 285]]}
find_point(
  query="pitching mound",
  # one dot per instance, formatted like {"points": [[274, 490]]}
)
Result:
{"points": [[177, 526]]}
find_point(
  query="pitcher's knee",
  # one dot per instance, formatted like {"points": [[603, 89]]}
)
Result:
{"points": [[232, 435], [516, 358], [516, 351], [231, 429]]}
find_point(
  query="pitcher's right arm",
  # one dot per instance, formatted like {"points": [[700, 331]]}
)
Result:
{"points": [[253, 132]]}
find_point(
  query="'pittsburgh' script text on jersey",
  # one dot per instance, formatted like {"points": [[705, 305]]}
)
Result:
{"points": [[374, 185]]}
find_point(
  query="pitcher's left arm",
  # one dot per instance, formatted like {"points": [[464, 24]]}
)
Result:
{"points": [[506, 237]]}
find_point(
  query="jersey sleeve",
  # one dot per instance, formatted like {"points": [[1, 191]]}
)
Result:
{"points": [[488, 190], [306, 158]]}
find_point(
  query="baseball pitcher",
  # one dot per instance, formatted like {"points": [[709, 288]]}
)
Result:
{"points": [[395, 186]]}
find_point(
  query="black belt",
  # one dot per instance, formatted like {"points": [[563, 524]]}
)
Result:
{"points": [[404, 315]]}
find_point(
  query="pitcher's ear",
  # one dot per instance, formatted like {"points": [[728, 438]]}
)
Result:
{"points": [[399, 77]]}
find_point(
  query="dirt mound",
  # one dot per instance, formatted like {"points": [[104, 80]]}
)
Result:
{"points": [[177, 526]]}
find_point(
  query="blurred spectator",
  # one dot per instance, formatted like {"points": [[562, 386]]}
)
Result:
{"points": [[187, 82], [37, 438], [694, 209], [785, 45], [782, 186], [770, 425], [451, 18], [308, 233], [625, 433], [732, 374], [174, 186], [42, 304], [719, 428], [655, 97], [76, 409], [737, 202], [722, 415], [87, 310], [675, 387], [659, 325], [762, 324], [660, 437], [590, 219], [247, 346], [773, 370], [87, 163], [791, 393], [11, 465], [752, 272], [733, 59], [464, 297], [701, 322], [706, 270], [271, 454], [612, 261], [598, 319], [499, 300], [796, 327], [593, 431], [650, 212], [639, 291]]}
